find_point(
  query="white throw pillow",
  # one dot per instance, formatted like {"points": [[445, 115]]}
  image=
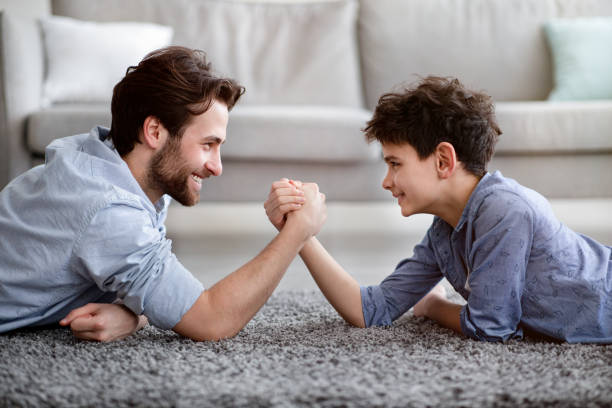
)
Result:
{"points": [[85, 59]]}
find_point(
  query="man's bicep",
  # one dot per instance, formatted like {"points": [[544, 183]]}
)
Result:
{"points": [[123, 252]]}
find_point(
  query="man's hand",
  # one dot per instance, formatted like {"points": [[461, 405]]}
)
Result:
{"points": [[313, 213], [285, 196], [103, 322]]}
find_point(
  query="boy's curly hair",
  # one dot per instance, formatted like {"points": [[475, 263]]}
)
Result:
{"points": [[436, 110]]}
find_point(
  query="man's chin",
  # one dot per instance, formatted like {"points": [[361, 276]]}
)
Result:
{"points": [[187, 201]]}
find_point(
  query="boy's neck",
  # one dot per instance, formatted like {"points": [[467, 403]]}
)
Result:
{"points": [[457, 194]]}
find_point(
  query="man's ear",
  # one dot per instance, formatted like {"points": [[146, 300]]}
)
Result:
{"points": [[153, 133], [446, 159]]}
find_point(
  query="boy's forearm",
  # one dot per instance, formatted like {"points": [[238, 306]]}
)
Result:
{"points": [[340, 289], [445, 312]]}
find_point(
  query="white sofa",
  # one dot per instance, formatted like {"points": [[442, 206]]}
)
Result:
{"points": [[314, 71]]}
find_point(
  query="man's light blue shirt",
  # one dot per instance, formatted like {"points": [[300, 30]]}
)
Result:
{"points": [[80, 229], [516, 265]]}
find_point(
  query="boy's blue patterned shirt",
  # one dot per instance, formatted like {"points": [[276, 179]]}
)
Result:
{"points": [[515, 264]]}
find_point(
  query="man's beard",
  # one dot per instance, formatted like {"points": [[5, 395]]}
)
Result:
{"points": [[170, 176]]}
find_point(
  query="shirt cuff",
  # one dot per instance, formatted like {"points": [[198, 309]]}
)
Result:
{"points": [[374, 306], [176, 292]]}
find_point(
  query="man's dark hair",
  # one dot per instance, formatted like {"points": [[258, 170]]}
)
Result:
{"points": [[173, 84], [438, 110]]}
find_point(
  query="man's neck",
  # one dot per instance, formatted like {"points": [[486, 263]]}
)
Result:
{"points": [[138, 165]]}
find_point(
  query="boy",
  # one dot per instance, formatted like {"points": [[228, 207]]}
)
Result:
{"points": [[497, 242]]}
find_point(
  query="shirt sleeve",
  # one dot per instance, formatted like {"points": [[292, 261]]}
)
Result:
{"points": [[122, 251], [411, 280], [503, 232]]}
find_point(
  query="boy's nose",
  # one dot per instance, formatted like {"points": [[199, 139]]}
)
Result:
{"points": [[386, 183]]}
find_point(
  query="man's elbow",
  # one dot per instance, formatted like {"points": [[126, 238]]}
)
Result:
{"points": [[214, 334]]}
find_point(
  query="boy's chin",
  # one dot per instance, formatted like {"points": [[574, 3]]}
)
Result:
{"points": [[406, 212]]}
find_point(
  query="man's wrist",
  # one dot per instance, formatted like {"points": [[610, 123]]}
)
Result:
{"points": [[294, 227]]}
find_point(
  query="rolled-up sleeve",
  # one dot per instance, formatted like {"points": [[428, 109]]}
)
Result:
{"points": [[499, 259], [411, 280], [123, 252]]}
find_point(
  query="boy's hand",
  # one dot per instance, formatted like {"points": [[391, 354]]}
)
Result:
{"points": [[103, 322], [422, 308], [313, 213], [285, 196]]}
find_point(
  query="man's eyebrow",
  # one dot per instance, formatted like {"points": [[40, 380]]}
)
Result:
{"points": [[213, 139]]}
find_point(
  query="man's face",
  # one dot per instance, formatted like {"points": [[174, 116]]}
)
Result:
{"points": [[180, 166], [411, 180]]}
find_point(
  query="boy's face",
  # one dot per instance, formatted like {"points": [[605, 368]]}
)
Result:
{"points": [[180, 166], [411, 180]]}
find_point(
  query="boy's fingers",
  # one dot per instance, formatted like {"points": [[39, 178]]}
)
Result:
{"points": [[296, 183], [280, 184]]}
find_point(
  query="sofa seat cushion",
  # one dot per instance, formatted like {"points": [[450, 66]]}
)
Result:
{"points": [[554, 127], [63, 120], [282, 133]]}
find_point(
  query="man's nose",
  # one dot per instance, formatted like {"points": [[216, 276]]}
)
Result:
{"points": [[214, 165]]}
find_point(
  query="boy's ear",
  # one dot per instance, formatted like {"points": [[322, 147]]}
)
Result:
{"points": [[153, 134], [446, 160]]}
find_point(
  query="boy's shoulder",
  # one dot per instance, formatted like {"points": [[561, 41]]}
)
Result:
{"points": [[497, 197]]}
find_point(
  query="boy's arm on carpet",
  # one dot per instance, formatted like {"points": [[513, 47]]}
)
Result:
{"points": [[223, 310], [436, 307], [103, 322], [339, 287]]}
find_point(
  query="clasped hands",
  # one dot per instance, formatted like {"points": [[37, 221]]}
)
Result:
{"points": [[292, 199]]}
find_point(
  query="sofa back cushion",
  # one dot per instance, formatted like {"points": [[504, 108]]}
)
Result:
{"points": [[302, 53], [497, 46]]}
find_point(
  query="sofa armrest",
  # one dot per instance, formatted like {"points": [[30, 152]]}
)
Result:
{"points": [[21, 77]]}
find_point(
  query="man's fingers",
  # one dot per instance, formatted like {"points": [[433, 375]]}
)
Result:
{"points": [[85, 323], [88, 309], [285, 204]]}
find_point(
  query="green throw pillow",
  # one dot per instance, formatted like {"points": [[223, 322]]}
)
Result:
{"points": [[582, 58]]}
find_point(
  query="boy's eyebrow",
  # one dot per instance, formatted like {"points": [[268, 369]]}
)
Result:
{"points": [[390, 158]]}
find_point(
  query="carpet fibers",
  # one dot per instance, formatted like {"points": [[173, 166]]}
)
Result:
{"points": [[298, 352]]}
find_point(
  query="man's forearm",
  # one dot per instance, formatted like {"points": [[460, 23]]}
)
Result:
{"points": [[224, 309], [340, 288]]}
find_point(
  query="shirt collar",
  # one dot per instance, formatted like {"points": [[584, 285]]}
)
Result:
{"points": [[116, 170], [473, 200]]}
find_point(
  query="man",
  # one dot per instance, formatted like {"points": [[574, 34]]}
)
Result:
{"points": [[87, 228]]}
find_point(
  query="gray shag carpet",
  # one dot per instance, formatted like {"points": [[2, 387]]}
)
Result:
{"points": [[298, 352]]}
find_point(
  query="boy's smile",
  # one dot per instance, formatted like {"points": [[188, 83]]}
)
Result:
{"points": [[411, 180]]}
